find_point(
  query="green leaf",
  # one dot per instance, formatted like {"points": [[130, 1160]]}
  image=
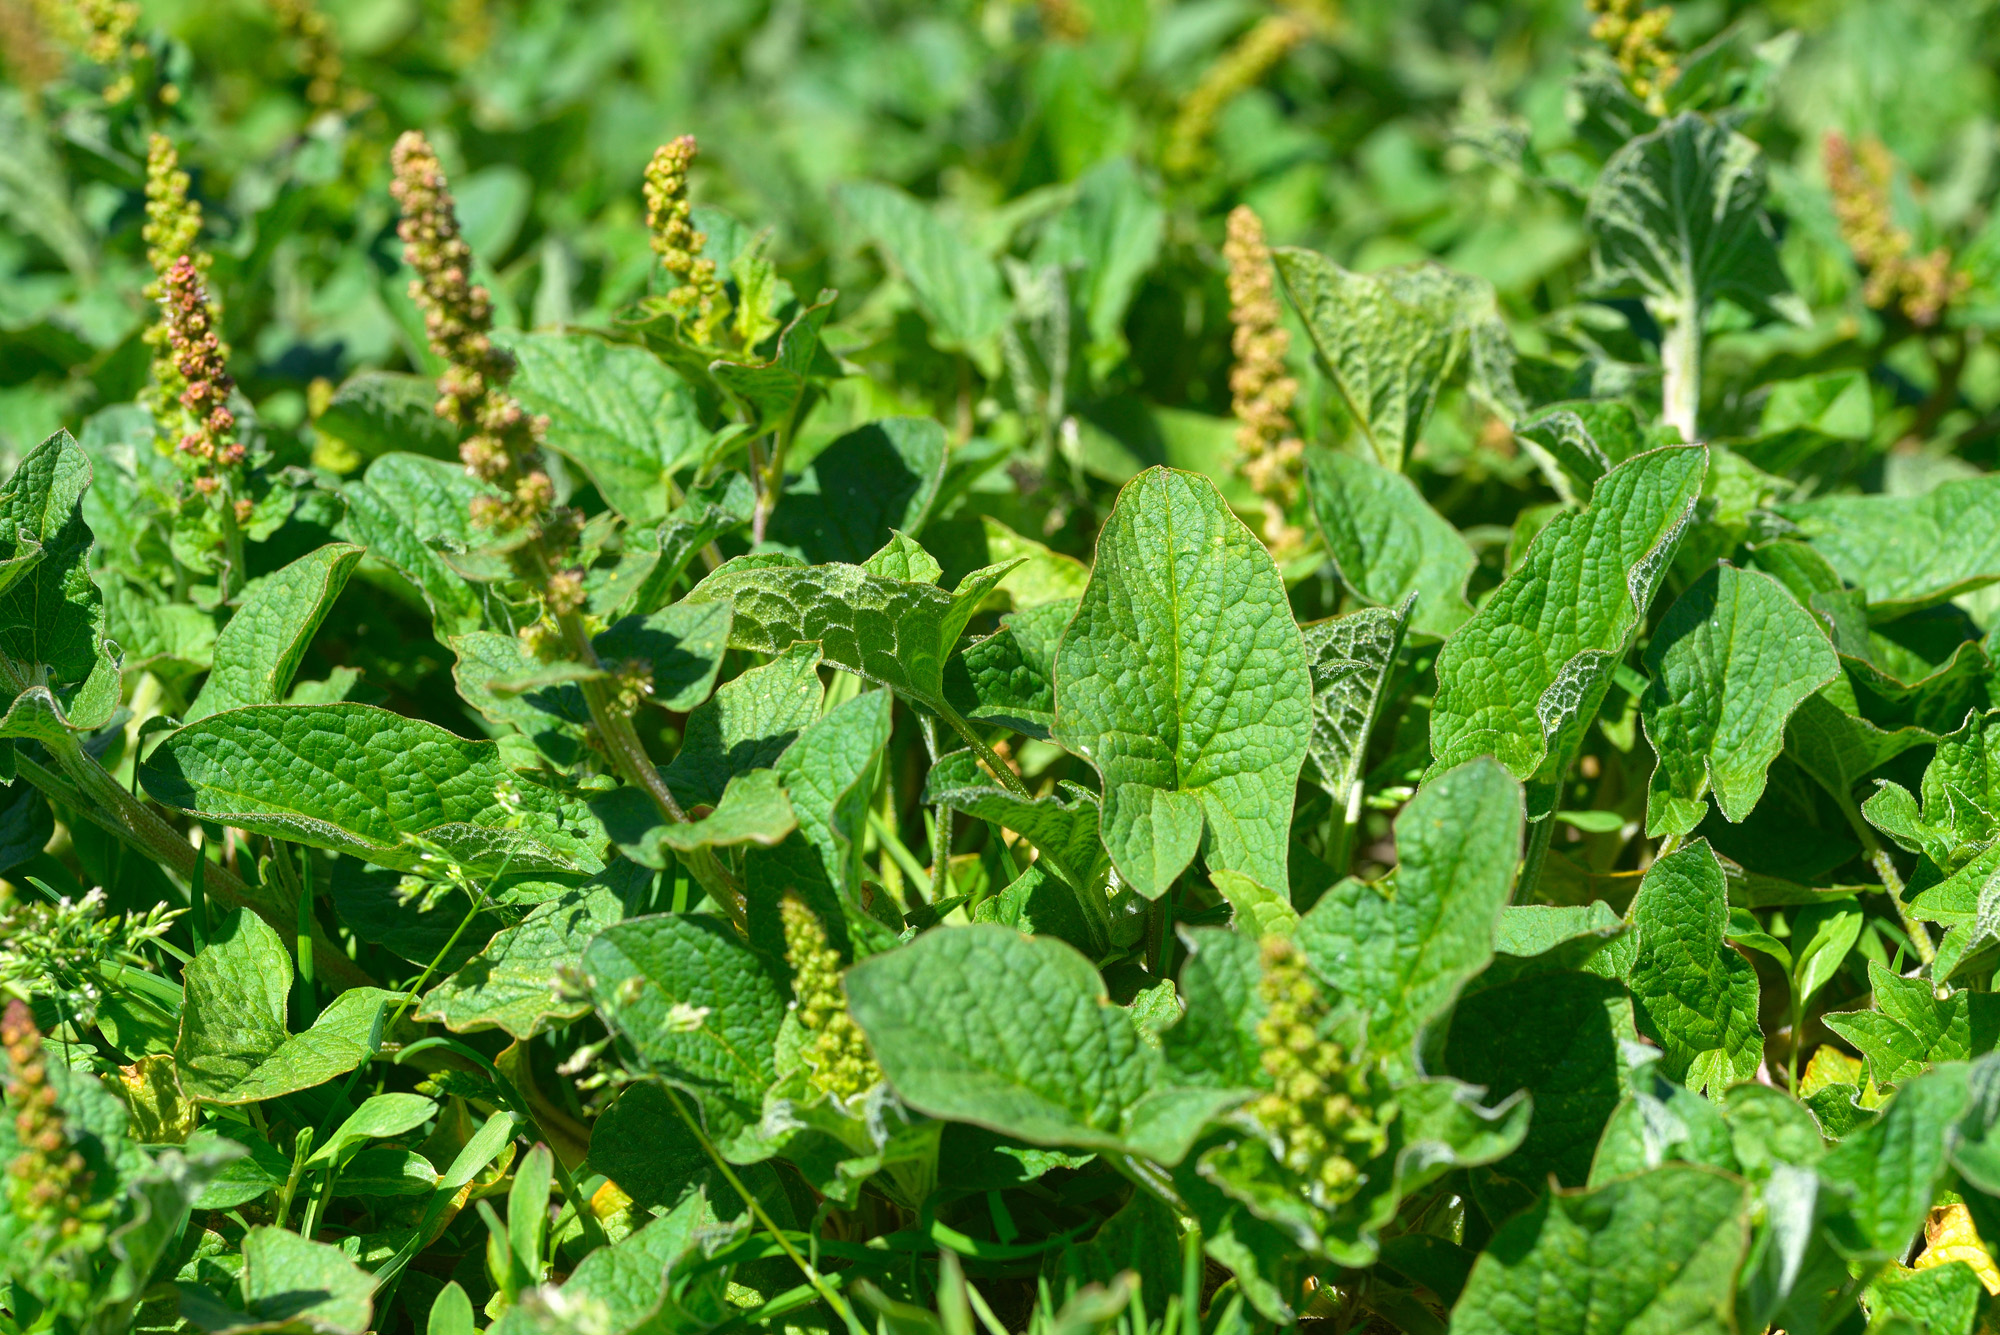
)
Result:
{"points": [[1009, 677], [1111, 232], [675, 651], [52, 619], [1557, 1036], [1400, 953], [1184, 681], [981, 1024], [1655, 1254], [1062, 825], [1960, 815], [753, 810], [508, 685], [403, 505], [956, 285], [1940, 1300], [1909, 1028], [1729, 663], [294, 1283], [746, 725], [1893, 1167], [1215, 1042], [380, 1117], [511, 984], [897, 633], [700, 1008], [1392, 340], [878, 478], [1907, 553], [259, 651], [626, 420], [1387, 542], [1677, 217], [381, 412], [364, 781], [1837, 747], [1524, 677], [774, 389], [233, 1045], [1693, 994], [1822, 935], [655, 557], [825, 772]]}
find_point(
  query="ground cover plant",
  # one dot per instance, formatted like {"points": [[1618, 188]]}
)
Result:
{"points": [[1071, 667]]}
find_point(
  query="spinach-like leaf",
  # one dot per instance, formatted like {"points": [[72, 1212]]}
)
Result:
{"points": [[259, 651], [1387, 542], [1184, 681], [877, 478], [1907, 553], [1524, 677], [1693, 993], [1730, 661], [52, 620]]}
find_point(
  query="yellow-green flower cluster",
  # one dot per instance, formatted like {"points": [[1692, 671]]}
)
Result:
{"points": [[1321, 1112], [101, 31], [504, 443], [700, 298], [1241, 67], [25, 52], [1636, 37], [318, 48], [48, 1185], [1920, 286], [1269, 453], [838, 1055]]}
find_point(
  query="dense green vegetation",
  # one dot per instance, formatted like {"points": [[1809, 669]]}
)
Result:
{"points": [[1074, 666]]}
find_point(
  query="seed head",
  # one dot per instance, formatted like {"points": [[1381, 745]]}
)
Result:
{"points": [[700, 298], [1269, 453], [1636, 37], [839, 1057], [1241, 67], [1919, 286]]}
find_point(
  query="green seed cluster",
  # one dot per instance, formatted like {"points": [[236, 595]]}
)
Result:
{"points": [[1636, 37], [700, 298], [1321, 1110], [1241, 67], [838, 1055]]}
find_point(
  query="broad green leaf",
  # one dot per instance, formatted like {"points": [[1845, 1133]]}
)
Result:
{"points": [[381, 412], [233, 1045], [1655, 1254], [52, 619], [1910, 1028], [292, 1282], [1112, 231], [1399, 953], [1557, 1036], [701, 1009], [774, 389], [1352, 657], [897, 633], [1040, 903], [360, 780], [1256, 910], [824, 773], [508, 685], [259, 651], [1940, 1299], [1907, 553], [1184, 681], [1837, 747], [401, 507], [1009, 677], [1677, 217], [1693, 994], [1524, 677], [746, 725], [1730, 661], [981, 1024], [877, 478], [1387, 542], [616, 411], [957, 287], [1215, 1042], [624, 1286], [1661, 1123], [1394, 338], [675, 651], [511, 984], [1822, 935], [753, 810], [1893, 1167]]}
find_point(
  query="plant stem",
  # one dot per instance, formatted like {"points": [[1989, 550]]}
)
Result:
{"points": [[1892, 880], [1531, 861], [1680, 373], [987, 757], [87, 789]]}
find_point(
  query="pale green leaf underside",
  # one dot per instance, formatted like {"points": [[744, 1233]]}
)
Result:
{"points": [[1352, 657]]}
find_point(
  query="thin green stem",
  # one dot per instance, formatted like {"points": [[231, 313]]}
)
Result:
{"points": [[1531, 861], [900, 852], [987, 756], [1892, 880]]}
